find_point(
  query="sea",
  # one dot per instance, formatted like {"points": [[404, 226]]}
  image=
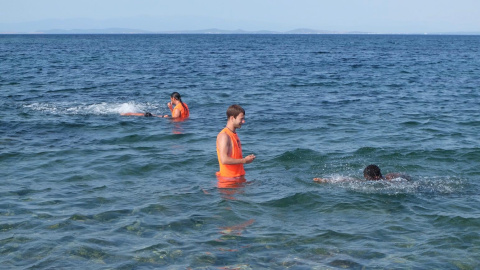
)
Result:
{"points": [[83, 187]]}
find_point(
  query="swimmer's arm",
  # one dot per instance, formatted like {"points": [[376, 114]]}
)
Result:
{"points": [[390, 176], [169, 105], [320, 180], [224, 147], [132, 114]]}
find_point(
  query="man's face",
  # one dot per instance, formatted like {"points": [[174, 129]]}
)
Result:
{"points": [[239, 120], [374, 178]]}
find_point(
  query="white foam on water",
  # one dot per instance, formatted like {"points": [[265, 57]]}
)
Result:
{"points": [[103, 108], [430, 185]]}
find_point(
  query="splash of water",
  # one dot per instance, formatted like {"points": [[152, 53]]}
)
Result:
{"points": [[103, 108]]}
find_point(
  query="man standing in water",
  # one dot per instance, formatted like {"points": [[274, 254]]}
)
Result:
{"points": [[229, 148]]}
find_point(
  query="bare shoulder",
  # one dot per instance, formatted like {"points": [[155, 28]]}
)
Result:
{"points": [[222, 138], [222, 135]]}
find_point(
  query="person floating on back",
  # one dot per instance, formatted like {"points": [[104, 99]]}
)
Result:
{"points": [[371, 173], [180, 111], [229, 148]]}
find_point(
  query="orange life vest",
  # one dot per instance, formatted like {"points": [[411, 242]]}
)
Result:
{"points": [[233, 170], [184, 111]]}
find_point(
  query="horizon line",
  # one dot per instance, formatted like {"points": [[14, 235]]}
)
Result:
{"points": [[298, 31]]}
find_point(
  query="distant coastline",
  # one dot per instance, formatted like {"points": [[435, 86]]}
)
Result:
{"points": [[215, 31]]}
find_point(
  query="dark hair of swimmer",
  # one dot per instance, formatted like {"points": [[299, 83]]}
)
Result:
{"points": [[234, 111], [147, 114], [176, 96], [372, 172]]}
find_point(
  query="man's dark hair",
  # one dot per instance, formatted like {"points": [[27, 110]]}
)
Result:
{"points": [[372, 172], [234, 111], [176, 95]]}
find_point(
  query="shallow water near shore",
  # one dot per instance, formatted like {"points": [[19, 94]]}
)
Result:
{"points": [[85, 188]]}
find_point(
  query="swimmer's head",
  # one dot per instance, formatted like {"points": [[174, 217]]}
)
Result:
{"points": [[234, 111], [147, 114], [372, 172], [176, 96]]}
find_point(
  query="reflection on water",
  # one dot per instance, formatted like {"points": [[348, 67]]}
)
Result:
{"points": [[237, 229], [229, 186], [177, 125]]}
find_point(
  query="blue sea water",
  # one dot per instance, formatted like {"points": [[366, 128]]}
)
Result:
{"points": [[85, 188]]}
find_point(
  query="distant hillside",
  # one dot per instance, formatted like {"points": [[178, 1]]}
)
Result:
{"points": [[221, 31], [94, 31], [300, 31], [204, 31]]}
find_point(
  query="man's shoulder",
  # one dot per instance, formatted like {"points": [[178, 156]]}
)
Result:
{"points": [[222, 134]]}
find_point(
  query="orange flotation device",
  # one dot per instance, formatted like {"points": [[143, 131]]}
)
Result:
{"points": [[234, 170], [183, 108]]}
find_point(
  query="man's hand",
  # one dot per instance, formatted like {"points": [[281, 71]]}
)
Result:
{"points": [[249, 159]]}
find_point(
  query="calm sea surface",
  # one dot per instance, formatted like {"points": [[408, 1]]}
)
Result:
{"points": [[82, 187]]}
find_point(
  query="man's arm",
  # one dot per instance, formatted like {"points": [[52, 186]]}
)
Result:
{"points": [[390, 176], [320, 180], [224, 148]]}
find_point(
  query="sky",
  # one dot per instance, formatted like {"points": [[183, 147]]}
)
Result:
{"points": [[377, 16]]}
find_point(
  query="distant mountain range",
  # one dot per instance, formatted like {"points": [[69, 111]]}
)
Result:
{"points": [[169, 25], [204, 31], [305, 31]]}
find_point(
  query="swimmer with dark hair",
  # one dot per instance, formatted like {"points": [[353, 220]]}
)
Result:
{"points": [[180, 110], [370, 173]]}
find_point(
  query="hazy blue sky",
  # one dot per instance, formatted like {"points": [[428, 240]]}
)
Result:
{"points": [[383, 16]]}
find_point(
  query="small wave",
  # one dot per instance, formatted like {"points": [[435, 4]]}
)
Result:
{"points": [[302, 199], [90, 253], [471, 220], [299, 155], [109, 216], [366, 150], [103, 108], [413, 123], [472, 123], [346, 264]]}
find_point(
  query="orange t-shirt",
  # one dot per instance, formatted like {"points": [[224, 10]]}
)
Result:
{"points": [[234, 170], [184, 111]]}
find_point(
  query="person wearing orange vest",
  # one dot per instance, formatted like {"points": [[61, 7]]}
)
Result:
{"points": [[180, 110], [229, 148]]}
